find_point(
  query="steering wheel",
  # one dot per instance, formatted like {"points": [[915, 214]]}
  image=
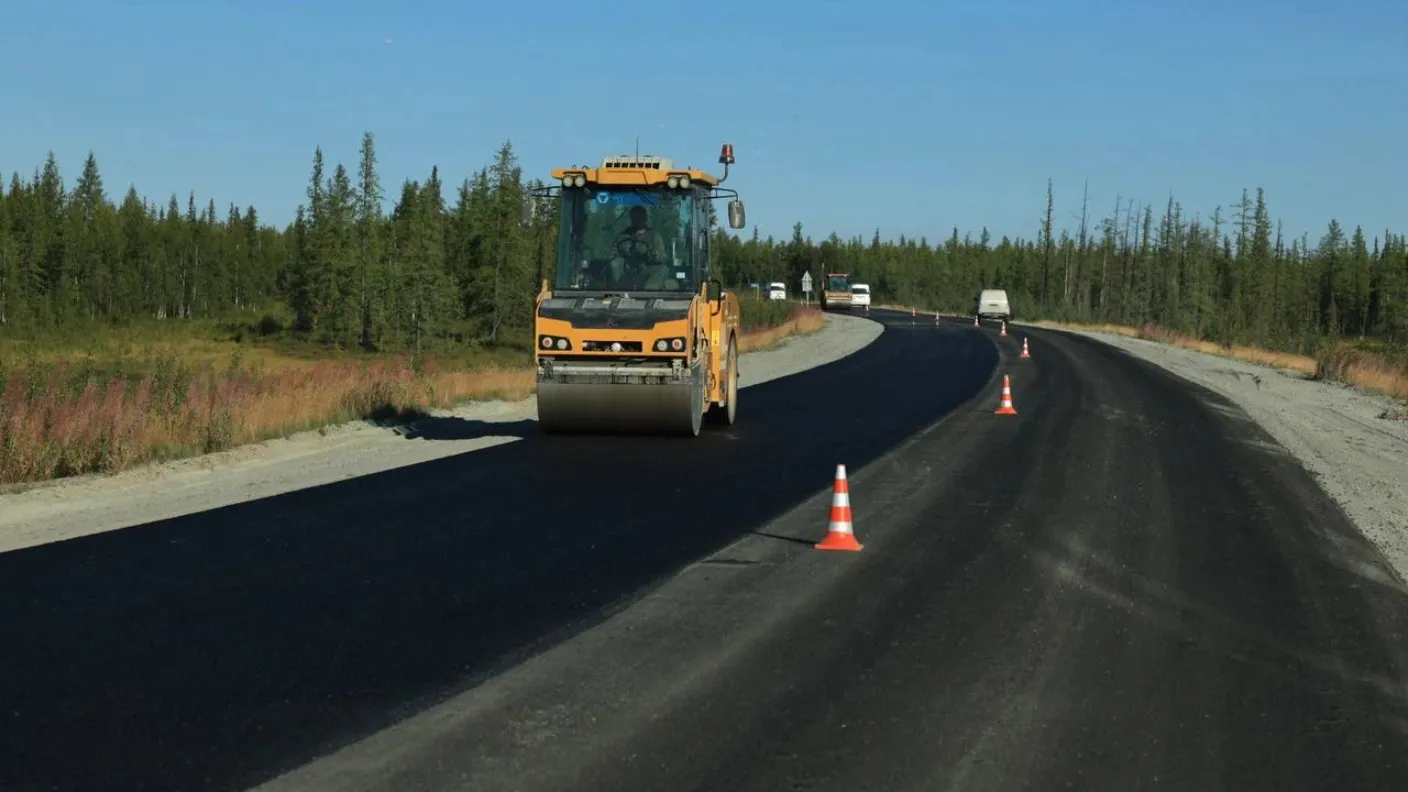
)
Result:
{"points": [[633, 247]]}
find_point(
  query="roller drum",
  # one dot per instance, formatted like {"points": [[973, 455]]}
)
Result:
{"points": [[628, 402]]}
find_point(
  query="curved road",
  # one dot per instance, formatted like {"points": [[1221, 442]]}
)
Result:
{"points": [[1126, 586]]}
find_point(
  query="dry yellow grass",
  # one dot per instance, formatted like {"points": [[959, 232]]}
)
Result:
{"points": [[1344, 363], [1336, 362], [73, 422], [1123, 330], [1283, 360], [803, 321], [47, 430]]}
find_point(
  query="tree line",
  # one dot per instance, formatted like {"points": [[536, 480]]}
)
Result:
{"points": [[352, 274], [465, 268], [1231, 276]]}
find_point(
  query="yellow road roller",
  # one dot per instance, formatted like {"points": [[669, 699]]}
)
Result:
{"points": [[634, 334]]}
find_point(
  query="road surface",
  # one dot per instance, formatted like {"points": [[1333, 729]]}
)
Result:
{"points": [[1126, 586], [212, 650]]}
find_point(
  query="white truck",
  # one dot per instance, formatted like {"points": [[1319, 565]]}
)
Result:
{"points": [[777, 291], [992, 304], [860, 295]]}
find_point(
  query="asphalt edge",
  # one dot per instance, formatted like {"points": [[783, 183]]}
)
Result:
{"points": [[1212, 397]]}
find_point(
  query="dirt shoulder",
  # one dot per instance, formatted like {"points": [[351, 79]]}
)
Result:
{"points": [[1354, 442], [55, 511]]}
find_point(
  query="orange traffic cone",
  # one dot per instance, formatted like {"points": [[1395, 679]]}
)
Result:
{"points": [[1025, 352], [1004, 330], [1006, 408], [839, 534]]}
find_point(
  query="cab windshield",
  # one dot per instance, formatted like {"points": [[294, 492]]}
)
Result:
{"points": [[626, 239], [837, 283]]}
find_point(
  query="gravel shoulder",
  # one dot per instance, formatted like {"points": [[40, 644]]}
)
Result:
{"points": [[1335, 431], [66, 509]]}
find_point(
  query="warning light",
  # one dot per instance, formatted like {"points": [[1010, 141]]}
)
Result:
{"points": [[726, 156]]}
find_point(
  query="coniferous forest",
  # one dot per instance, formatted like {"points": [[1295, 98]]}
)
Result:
{"points": [[116, 314], [453, 263]]}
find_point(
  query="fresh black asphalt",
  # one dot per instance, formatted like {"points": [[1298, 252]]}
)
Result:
{"points": [[211, 650], [1127, 586]]}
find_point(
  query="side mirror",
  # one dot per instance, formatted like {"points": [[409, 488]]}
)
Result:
{"points": [[737, 218]]}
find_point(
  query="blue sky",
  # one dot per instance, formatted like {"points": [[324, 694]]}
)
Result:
{"points": [[910, 117]]}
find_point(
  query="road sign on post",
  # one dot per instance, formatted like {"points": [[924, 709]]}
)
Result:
{"points": [[807, 285]]}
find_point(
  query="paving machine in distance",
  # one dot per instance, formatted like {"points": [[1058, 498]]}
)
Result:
{"points": [[836, 291], [634, 335]]}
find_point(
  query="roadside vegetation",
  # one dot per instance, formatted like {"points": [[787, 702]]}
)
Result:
{"points": [[133, 331], [141, 396], [1228, 282], [1373, 366]]}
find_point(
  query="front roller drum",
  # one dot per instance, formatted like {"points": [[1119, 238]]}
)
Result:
{"points": [[672, 408]]}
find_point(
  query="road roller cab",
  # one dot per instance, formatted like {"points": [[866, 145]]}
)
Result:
{"points": [[633, 333], [836, 291]]}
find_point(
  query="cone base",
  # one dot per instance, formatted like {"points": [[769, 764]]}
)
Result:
{"points": [[839, 541], [1005, 411]]}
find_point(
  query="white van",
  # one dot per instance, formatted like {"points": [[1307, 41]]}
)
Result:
{"points": [[777, 291], [992, 304], [860, 295]]}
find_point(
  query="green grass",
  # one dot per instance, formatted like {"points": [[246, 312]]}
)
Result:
{"points": [[756, 313], [259, 341]]}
